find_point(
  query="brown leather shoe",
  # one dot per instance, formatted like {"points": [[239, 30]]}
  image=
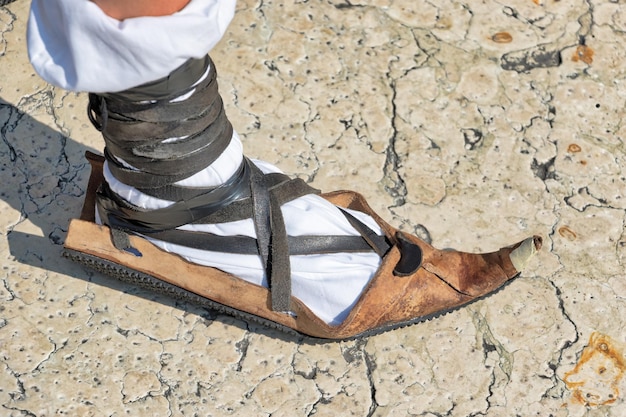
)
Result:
{"points": [[404, 290]]}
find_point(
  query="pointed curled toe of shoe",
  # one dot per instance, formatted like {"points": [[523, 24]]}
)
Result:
{"points": [[478, 274], [441, 281], [445, 281]]}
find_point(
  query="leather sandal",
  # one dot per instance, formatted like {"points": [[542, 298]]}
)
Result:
{"points": [[415, 281]]}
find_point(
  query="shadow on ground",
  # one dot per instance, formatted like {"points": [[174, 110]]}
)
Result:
{"points": [[44, 175]]}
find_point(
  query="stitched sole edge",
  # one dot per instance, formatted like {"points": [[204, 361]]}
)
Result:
{"points": [[151, 283]]}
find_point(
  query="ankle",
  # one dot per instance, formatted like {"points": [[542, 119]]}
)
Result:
{"points": [[123, 9]]}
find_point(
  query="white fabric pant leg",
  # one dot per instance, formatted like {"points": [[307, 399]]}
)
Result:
{"points": [[73, 45]]}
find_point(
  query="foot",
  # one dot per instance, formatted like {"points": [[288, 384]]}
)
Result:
{"points": [[402, 292]]}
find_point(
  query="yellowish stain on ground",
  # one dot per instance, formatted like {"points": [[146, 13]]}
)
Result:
{"points": [[595, 379], [583, 53], [502, 37]]}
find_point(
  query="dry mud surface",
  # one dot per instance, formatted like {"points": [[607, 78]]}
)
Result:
{"points": [[473, 125]]}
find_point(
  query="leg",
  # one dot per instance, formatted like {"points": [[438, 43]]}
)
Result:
{"points": [[122, 9], [175, 176]]}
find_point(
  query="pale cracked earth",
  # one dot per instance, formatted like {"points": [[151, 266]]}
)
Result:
{"points": [[471, 124]]}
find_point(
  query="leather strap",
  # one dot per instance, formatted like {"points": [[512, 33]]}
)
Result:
{"points": [[137, 126], [243, 245], [126, 217], [137, 130], [284, 191], [169, 86]]}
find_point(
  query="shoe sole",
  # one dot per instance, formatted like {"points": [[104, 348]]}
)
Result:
{"points": [[148, 282]]}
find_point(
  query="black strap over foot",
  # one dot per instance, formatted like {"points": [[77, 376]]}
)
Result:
{"points": [[410, 256]]}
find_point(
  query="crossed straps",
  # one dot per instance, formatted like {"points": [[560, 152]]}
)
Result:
{"points": [[137, 126], [267, 193]]}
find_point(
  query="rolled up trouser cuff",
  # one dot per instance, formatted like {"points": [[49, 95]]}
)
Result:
{"points": [[74, 45]]}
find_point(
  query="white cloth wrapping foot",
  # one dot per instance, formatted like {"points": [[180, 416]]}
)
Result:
{"points": [[75, 46], [328, 284]]}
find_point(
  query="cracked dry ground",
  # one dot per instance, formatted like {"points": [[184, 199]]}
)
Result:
{"points": [[472, 125]]}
